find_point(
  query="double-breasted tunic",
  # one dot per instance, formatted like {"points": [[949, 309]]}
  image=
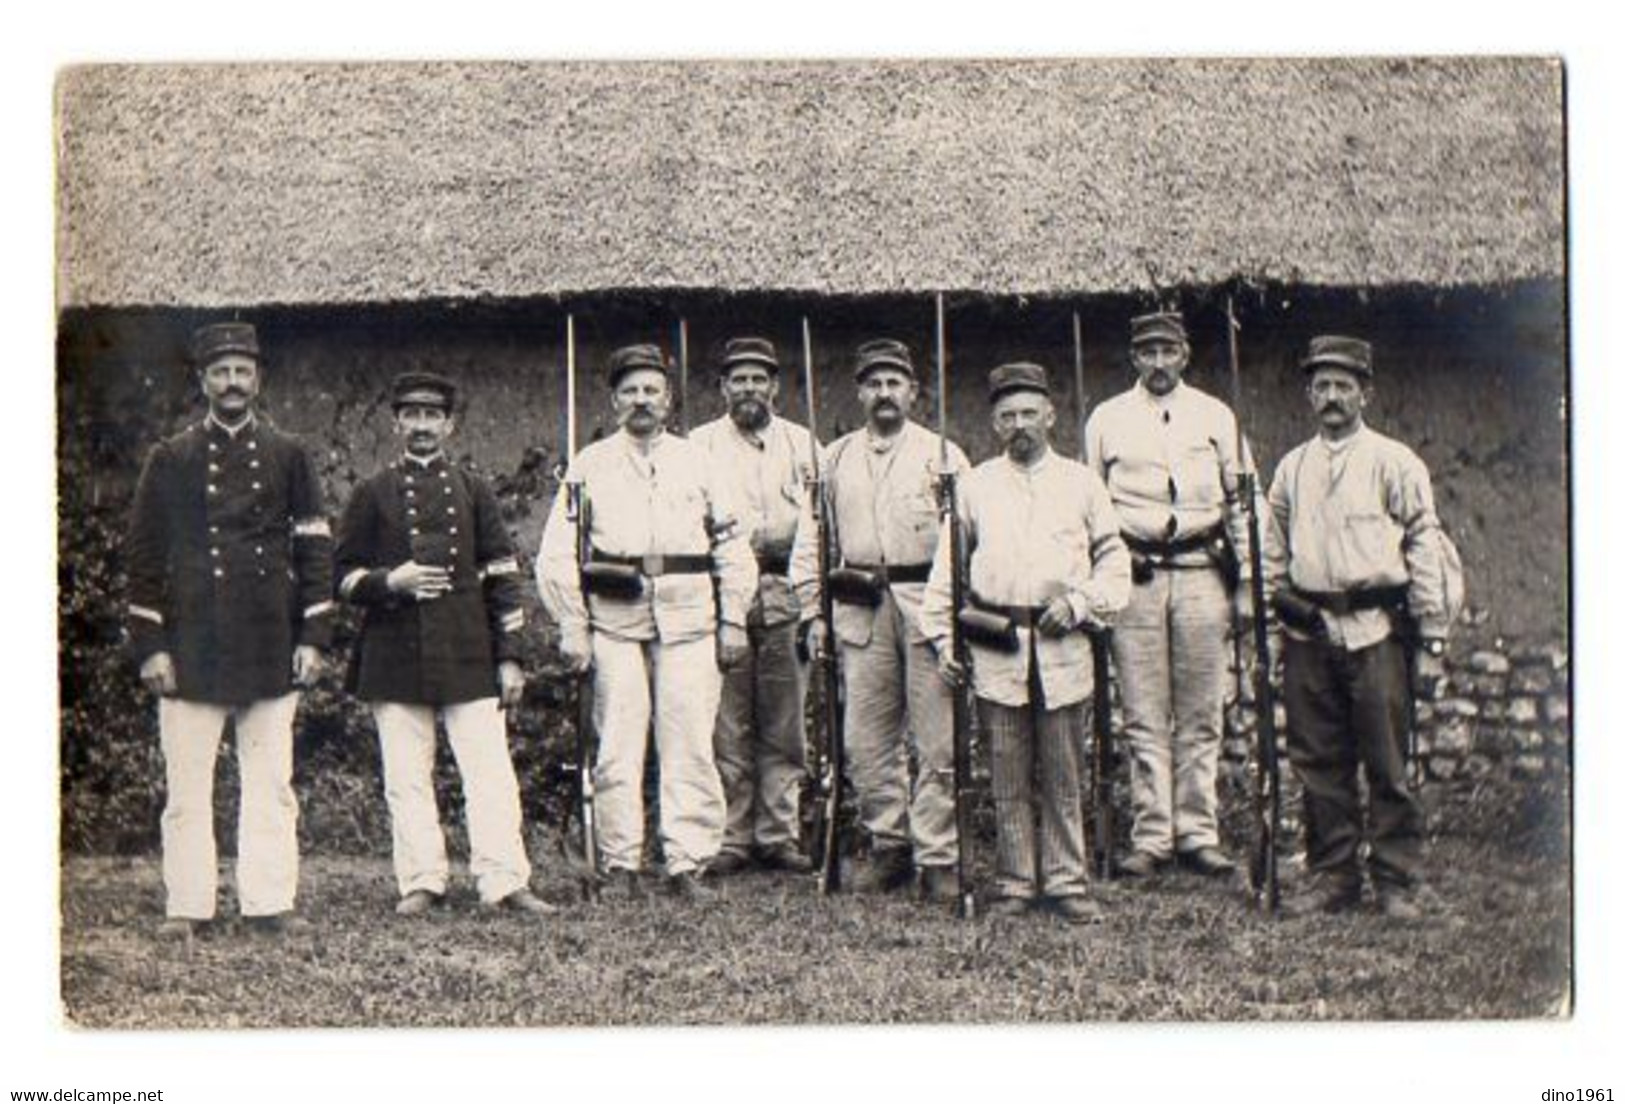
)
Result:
{"points": [[445, 650], [229, 558]]}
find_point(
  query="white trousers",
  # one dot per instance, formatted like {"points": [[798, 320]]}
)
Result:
{"points": [[267, 815], [678, 684], [1169, 648], [479, 743]]}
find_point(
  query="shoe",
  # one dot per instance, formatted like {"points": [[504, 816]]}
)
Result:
{"points": [[1079, 910], [727, 863], [939, 883], [1008, 906], [621, 884], [1140, 864], [1209, 862], [280, 923], [1327, 896], [1400, 904], [688, 885], [523, 900], [888, 869], [787, 857], [418, 902], [177, 929]]}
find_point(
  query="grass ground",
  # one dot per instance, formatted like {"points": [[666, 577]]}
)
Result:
{"points": [[770, 950]]}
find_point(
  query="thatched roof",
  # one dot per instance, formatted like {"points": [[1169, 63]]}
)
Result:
{"points": [[221, 185]]}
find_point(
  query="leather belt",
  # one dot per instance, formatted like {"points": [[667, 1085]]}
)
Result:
{"points": [[895, 573], [1345, 602], [1024, 616], [1163, 550], [659, 564], [773, 563]]}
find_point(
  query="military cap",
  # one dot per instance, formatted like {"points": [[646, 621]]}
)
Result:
{"points": [[635, 358], [423, 389], [217, 339], [750, 350], [883, 353], [1161, 326], [1020, 376], [1349, 353]]}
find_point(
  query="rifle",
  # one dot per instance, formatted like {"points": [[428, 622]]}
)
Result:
{"points": [[948, 501], [830, 751], [1103, 842], [681, 409], [1264, 877], [578, 509]]}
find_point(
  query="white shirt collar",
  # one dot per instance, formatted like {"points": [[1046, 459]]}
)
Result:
{"points": [[1160, 402], [1336, 448], [424, 462], [229, 431]]}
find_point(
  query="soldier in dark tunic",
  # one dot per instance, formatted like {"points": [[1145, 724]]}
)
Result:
{"points": [[422, 548], [230, 603]]}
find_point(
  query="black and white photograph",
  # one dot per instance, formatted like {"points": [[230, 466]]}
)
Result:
{"points": [[868, 542]]}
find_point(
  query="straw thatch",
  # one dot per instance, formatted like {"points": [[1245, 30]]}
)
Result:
{"points": [[220, 185]]}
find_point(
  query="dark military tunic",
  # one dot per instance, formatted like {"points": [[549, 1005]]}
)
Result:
{"points": [[229, 560], [445, 650]]}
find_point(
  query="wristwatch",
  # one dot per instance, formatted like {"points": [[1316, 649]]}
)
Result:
{"points": [[1433, 646]]}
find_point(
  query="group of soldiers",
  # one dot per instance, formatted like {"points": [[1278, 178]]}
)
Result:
{"points": [[689, 596]]}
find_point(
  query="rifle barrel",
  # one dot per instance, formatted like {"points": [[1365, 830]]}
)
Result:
{"points": [[1077, 379], [570, 386], [682, 375], [1264, 869]]}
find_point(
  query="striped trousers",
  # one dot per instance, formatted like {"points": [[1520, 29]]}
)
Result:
{"points": [[1038, 799]]}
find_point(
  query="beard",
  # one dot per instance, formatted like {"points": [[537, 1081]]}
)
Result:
{"points": [[1024, 446], [1160, 381], [749, 413]]}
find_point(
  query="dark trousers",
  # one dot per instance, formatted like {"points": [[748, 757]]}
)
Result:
{"points": [[1347, 710]]}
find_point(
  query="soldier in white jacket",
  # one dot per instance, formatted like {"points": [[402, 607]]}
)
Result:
{"points": [[881, 485], [656, 637], [1045, 561], [761, 737]]}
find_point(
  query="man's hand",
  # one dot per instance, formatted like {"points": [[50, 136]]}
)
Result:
{"points": [[307, 664], [1244, 606], [1430, 676], [952, 671], [732, 646], [424, 582], [1057, 619], [510, 683], [576, 647], [158, 674]]}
